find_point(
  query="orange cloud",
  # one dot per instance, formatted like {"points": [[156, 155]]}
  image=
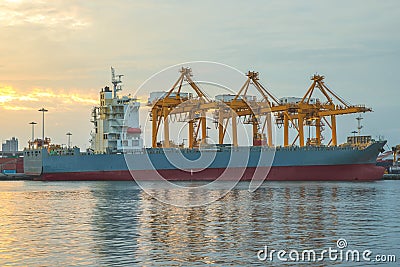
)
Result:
{"points": [[15, 99]]}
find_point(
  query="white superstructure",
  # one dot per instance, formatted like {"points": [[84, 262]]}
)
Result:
{"points": [[296, 100], [114, 131]]}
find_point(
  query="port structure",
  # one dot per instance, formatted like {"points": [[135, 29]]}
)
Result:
{"points": [[228, 109], [319, 113], [396, 152], [308, 111], [257, 112], [176, 102], [313, 112], [244, 105]]}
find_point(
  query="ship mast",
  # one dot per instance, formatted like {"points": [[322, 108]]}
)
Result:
{"points": [[116, 80], [359, 126]]}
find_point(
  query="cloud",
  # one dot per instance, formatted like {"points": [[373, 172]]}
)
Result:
{"points": [[58, 99], [48, 14], [72, 43]]}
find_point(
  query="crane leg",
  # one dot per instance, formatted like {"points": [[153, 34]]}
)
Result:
{"points": [[221, 127], [234, 129], [203, 128], [191, 133], [166, 129], [333, 126], [285, 130], [301, 130], [318, 130], [154, 128], [269, 129]]}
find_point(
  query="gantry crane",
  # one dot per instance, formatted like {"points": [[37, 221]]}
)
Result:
{"points": [[305, 112], [253, 110], [176, 102], [308, 111], [243, 105], [238, 106], [317, 111], [396, 152]]}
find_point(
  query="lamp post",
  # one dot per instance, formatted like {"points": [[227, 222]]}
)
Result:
{"points": [[69, 139], [43, 110], [33, 130]]}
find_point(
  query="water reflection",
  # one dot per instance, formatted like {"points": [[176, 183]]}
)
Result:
{"points": [[104, 223], [114, 220], [281, 215], [37, 225]]}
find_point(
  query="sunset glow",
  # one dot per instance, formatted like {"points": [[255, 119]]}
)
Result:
{"points": [[58, 54], [13, 99]]}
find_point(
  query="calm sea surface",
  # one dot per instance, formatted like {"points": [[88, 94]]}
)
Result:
{"points": [[116, 223]]}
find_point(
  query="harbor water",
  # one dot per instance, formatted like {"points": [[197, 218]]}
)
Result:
{"points": [[117, 223]]}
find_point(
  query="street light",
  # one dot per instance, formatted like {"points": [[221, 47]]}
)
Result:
{"points": [[43, 110], [33, 130], [69, 139]]}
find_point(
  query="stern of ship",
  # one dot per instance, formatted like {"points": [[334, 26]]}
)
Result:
{"points": [[33, 162]]}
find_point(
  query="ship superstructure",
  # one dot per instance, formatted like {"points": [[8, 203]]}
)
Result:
{"points": [[113, 132]]}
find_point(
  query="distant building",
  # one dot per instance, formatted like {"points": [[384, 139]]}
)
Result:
{"points": [[10, 145]]}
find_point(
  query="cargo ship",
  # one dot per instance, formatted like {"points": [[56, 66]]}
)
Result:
{"points": [[117, 153]]}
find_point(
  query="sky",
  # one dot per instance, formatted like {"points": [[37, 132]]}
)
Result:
{"points": [[57, 54]]}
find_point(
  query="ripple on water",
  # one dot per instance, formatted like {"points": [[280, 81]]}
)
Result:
{"points": [[103, 223]]}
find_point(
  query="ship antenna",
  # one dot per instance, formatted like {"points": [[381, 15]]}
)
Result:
{"points": [[359, 126], [116, 80]]}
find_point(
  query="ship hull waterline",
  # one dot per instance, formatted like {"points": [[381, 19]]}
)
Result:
{"points": [[346, 172]]}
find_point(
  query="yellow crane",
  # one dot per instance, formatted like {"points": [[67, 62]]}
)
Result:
{"points": [[240, 105], [307, 111], [396, 151], [243, 105], [175, 101], [316, 111]]}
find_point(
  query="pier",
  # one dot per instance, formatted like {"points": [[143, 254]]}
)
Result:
{"points": [[15, 177], [391, 176]]}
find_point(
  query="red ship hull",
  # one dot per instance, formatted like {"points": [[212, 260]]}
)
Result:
{"points": [[348, 172]]}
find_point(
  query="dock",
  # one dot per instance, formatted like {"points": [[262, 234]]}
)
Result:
{"points": [[391, 176], [15, 177], [24, 177]]}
